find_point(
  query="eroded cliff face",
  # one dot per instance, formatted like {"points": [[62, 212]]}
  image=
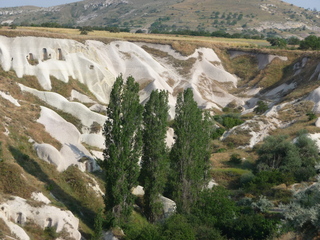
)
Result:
{"points": [[54, 92]]}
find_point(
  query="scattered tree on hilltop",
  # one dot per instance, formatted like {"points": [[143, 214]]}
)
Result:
{"points": [[190, 154], [310, 42], [154, 162], [123, 143], [277, 42]]}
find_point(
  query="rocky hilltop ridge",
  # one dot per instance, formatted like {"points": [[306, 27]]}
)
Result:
{"points": [[267, 17]]}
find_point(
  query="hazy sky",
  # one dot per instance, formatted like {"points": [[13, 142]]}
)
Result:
{"points": [[47, 3]]}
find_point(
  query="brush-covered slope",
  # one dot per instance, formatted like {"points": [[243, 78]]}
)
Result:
{"points": [[208, 15], [53, 96]]}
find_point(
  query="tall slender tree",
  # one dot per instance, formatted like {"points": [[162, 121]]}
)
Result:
{"points": [[190, 154], [154, 164], [123, 148]]}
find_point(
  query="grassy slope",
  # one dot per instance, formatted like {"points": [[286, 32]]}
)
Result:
{"points": [[22, 172]]}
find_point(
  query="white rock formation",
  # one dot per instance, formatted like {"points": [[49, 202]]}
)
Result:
{"points": [[78, 110], [60, 58], [10, 98], [169, 206], [17, 211], [314, 96], [96, 65], [38, 196], [317, 123], [72, 151]]}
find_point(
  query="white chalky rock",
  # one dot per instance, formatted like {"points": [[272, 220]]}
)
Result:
{"points": [[17, 211]]}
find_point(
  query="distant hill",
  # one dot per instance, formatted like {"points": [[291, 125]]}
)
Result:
{"points": [[253, 17]]}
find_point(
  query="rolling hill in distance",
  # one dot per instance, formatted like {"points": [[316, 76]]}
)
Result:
{"points": [[267, 17]]}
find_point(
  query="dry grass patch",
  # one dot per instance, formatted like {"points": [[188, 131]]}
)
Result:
{"points": [[228, 177], [245, 67], [296, 111], [30, 81], [293, 129], [65, 89], [13, 180], [183, 44], [155, 52], [182, 66], [22, 121], [239, 137], [143, 83]]}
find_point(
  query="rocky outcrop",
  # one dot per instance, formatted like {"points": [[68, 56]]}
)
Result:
{"points": [[17, 212]]}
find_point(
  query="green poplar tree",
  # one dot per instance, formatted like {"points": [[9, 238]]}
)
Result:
{"points": [[123, 147], [190, 154], [154, 162]]}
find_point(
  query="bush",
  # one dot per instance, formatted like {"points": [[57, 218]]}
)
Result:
{"points": [[178, 228], [51, 233], [310, 42], [261, 107], [214, 208], [302, 213], [277, 42], [150, 232], [228, 120], [278, 153], [217, 133], [265, 180], [235, 158], [263, 204], [311, 116], [246, 178], [252, 226], [205, 233]]}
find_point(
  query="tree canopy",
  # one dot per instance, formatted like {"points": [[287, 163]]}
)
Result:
{"points": [[154, 162], [190, 154], [123, 147]]}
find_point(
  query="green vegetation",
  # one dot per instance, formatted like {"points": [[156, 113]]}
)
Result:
{"points": [[123, 143], [302, 213], [154, 162], [261, 107], [299, 158], [247, 208], [277, 42], [310, 42], [190, 154]]}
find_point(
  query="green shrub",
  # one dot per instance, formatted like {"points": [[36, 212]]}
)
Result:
{"points": [[150, 232], [205, 233], [177, 227], [51, 233], [228, 120], [263, 204], [252, 226], [261, 107], [235, 158], [246, 178], [311, 116], [265, 180], [217, 133], [214, 207]]}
